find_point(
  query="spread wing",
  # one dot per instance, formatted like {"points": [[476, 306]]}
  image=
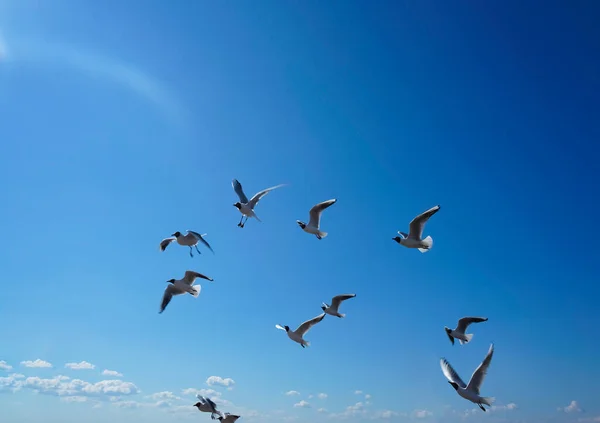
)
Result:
{"points": [[168, 295], [165, 243], [190, 277], [418, 223], [254, 200], [304, 327], [451, 374], [337, 300], [480, 372], [464, 323], [237, 187], [212, 404], [202, 240], [315, 212]]}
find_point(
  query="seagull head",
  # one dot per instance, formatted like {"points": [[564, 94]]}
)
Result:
{"points": [[238, 205], [287, 328], [301, 224], [176, 234], [454, 385], [198, 404], [171, 281], [324, 306]]}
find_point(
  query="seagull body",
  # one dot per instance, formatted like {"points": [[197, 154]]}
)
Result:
{"points": [[414, 237], [471, 391], [298, 334], [335, 304], [313, 226], [190, 239], [206, 405], [181, 286], [459, 332], [228, 418], [246, 207]]}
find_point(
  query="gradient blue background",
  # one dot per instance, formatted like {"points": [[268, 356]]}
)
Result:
{"points": [[122, 122]]}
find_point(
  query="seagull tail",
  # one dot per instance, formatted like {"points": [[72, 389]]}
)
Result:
{"points": [[428, 243], [469, 336], [342, 315], [196, 290], [488, 400], [322, 234]]}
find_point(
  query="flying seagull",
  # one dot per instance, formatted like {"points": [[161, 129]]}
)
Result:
{"points": [[297, 335], [315, 219], [413, 238], [228, 418], [459, 332], [335, 304], [208, 406], [471, 391], [247, 207], [181, 286], [190, 239]]}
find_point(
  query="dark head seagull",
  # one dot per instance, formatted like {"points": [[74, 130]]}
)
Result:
{"points": [[298, 334], [246, 207], [182, 286], [335, 305], [414, 238], [461, 328], [313, 226], [190, 239]]}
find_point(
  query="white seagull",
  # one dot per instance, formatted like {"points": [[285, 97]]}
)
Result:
{"points": [[335, 304], [315, 219], [228, 418], [459, 332], [181, 286], [247, 207], [297, 335], [208, 406], [190, 239], [413, 238], [471, 391]]}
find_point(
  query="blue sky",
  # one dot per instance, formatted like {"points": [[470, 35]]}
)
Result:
{"points": [[123, 122]]}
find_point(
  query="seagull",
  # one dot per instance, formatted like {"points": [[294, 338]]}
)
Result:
{"points": [[335, 304], [228, 418], [181, 286], [190, 239], [298, 334], [208, 406], [315, 219], [470, 391], [247, 207], [459, 332], [413, 238]]}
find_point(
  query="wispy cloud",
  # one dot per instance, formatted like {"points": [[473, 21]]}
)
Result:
{"points": [[5, 366], [573, 407], [217, 380], [421, 414], [358, 392], [84, 365], [302, 404], [290, 393], [113, 373], [37, 363], [322, 395], [44, 52]]}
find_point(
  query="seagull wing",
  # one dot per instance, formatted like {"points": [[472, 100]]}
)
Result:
{"points": [[190, 276], [464, 323], [418, 223], [480, 372], [304, 327], [202, 240], [212, 405], [237, 187], [201, 398], [254, 200], [165, 243], [315, 212], [169, 293], [451, 374], [337, 300]]}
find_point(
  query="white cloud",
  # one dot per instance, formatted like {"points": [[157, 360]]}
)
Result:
{"points": [[204, 392], [387, 414], [3, 364], [84, 365], [37, 363], [113, 373], [573, 407], [322, 410], [290, 393], [74, 399], [217, 380], [358, 392], [322, 395], [302, 404], [164, 396], [421, 414], [509, 406], [368, 396]]}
